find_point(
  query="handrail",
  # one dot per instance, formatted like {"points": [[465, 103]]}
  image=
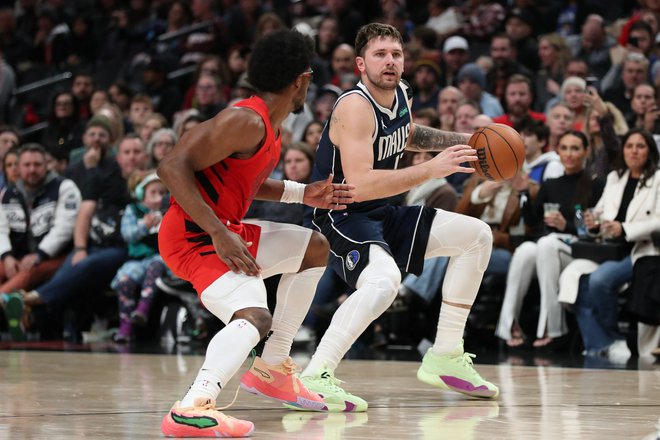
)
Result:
{"points": [[181, 72], [34, 128], [43, 83], [183, 31]]}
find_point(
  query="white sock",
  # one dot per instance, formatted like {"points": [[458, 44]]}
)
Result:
{"points": [[294, 297], [224, 356], [450, 328]]}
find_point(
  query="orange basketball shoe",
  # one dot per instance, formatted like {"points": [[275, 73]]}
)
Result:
{"points": [[281, 383], [203, 421]]}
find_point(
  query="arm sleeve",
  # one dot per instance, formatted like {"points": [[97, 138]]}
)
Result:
{"points": [[132, 228], [66, 211]]}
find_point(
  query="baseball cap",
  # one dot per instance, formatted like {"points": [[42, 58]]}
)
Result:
{"points": [[455, 43]]}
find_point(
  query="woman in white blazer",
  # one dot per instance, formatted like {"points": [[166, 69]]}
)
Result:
{"points": [[630, 207]]}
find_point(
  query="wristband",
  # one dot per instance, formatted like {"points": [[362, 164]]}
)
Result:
{"points": [[294, 192]]}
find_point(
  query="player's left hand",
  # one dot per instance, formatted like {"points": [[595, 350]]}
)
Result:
{"points": [[327, 195]]}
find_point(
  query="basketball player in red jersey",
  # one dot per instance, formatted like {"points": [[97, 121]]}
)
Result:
{"points": [[214, 173]]}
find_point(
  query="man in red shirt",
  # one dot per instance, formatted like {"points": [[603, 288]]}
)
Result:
{"points": [[214, 173], [519, 98]]}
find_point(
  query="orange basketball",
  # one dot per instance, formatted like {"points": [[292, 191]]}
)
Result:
{"points": [[500, 150]]}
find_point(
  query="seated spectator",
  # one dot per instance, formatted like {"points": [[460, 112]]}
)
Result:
{"points": [[37, 214], [325, 101], [209, 99], [159, 145], [593, 44], [425, 85], [628, 211], [572, 93], [559, 120], [65, 129], [551, 253], [448, 99], [604, 123], [99, 249], [312, 134], [153, 122], [96, 146], [554, 55], [117, 122], [9, 140], [99, 98], [141, 107], [135, 280], [620, 82], [644, 109], [518, 100], [10, 167], [428, 117], [472, 83]]}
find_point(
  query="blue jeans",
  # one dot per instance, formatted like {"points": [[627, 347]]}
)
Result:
{"points": [[92, 275], [597, 304]]}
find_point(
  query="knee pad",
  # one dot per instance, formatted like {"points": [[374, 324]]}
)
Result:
{"points": [[382, 291]]}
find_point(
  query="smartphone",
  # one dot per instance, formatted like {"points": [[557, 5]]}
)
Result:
{"points": [[592, 81], [633, 41]]}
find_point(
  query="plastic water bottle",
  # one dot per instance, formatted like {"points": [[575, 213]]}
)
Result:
{"points": [[580, 226]]}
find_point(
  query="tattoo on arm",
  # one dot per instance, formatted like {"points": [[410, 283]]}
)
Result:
{"points": [[431, 139]]}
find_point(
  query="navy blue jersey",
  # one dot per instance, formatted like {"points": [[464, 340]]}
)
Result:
{"points": [[388, 143]]}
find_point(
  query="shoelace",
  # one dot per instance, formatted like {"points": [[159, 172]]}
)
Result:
{"points": [[253, 353], [331, 382], [290, 367]]}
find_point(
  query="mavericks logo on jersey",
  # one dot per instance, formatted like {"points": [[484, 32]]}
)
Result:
{"points": [[352, 259], [394, 143]]}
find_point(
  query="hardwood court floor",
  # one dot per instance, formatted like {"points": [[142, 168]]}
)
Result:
{"points": [[55, 395]]}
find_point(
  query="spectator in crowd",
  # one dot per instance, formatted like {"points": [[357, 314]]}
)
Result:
{"points": [[241, 22], [519, 27], [327, 38], [482, 18], [577, 67], [37, 214], [518, 100], [559, 119], [211, 65], [428, 117], [505, 64], [604, 124], [628, 212], [539, 166], [466, 111], [117, 123], [325, 100], [161, 143], [82, 88], [9, 140], [209, 99], [343, 61], [644, 108], [179, 16], [135, 280], [121, 95], [212, 40], [99, 98], [349, 19], [593, 45], [10, 169], [425, 85], [551, 253], [152, 123], [96, 145], [448, 100], [65, 129], [572, 93], [455, 54], [132, 156], [620, 82], [472, 83], [427, 40], [641, 38], [7, 89], [237, 61], [141, 107], [312, 133], [165, 96], [554, 55], [15, 45]]}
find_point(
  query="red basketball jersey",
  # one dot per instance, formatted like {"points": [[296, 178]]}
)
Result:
{"points": [[230, 185]]}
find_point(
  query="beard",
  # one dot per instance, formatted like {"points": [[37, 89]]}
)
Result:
{"points": [[298, 109], [381, 83]]}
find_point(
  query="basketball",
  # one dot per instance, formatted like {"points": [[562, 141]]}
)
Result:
{"points": [[500, 151]]}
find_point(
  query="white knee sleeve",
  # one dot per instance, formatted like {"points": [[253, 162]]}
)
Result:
{"points": [[233, 292], [381, 279]]}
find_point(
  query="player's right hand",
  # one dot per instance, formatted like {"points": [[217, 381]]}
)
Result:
{"points": [[233, 251], [450, 160]]}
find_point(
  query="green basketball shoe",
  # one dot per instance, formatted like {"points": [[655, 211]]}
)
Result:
{"points": [[336, 399], [454, 371]]}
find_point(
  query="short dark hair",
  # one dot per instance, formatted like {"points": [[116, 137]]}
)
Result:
{"points": [[534, 127], [31, 147], [277, 59], [374, 30]]}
